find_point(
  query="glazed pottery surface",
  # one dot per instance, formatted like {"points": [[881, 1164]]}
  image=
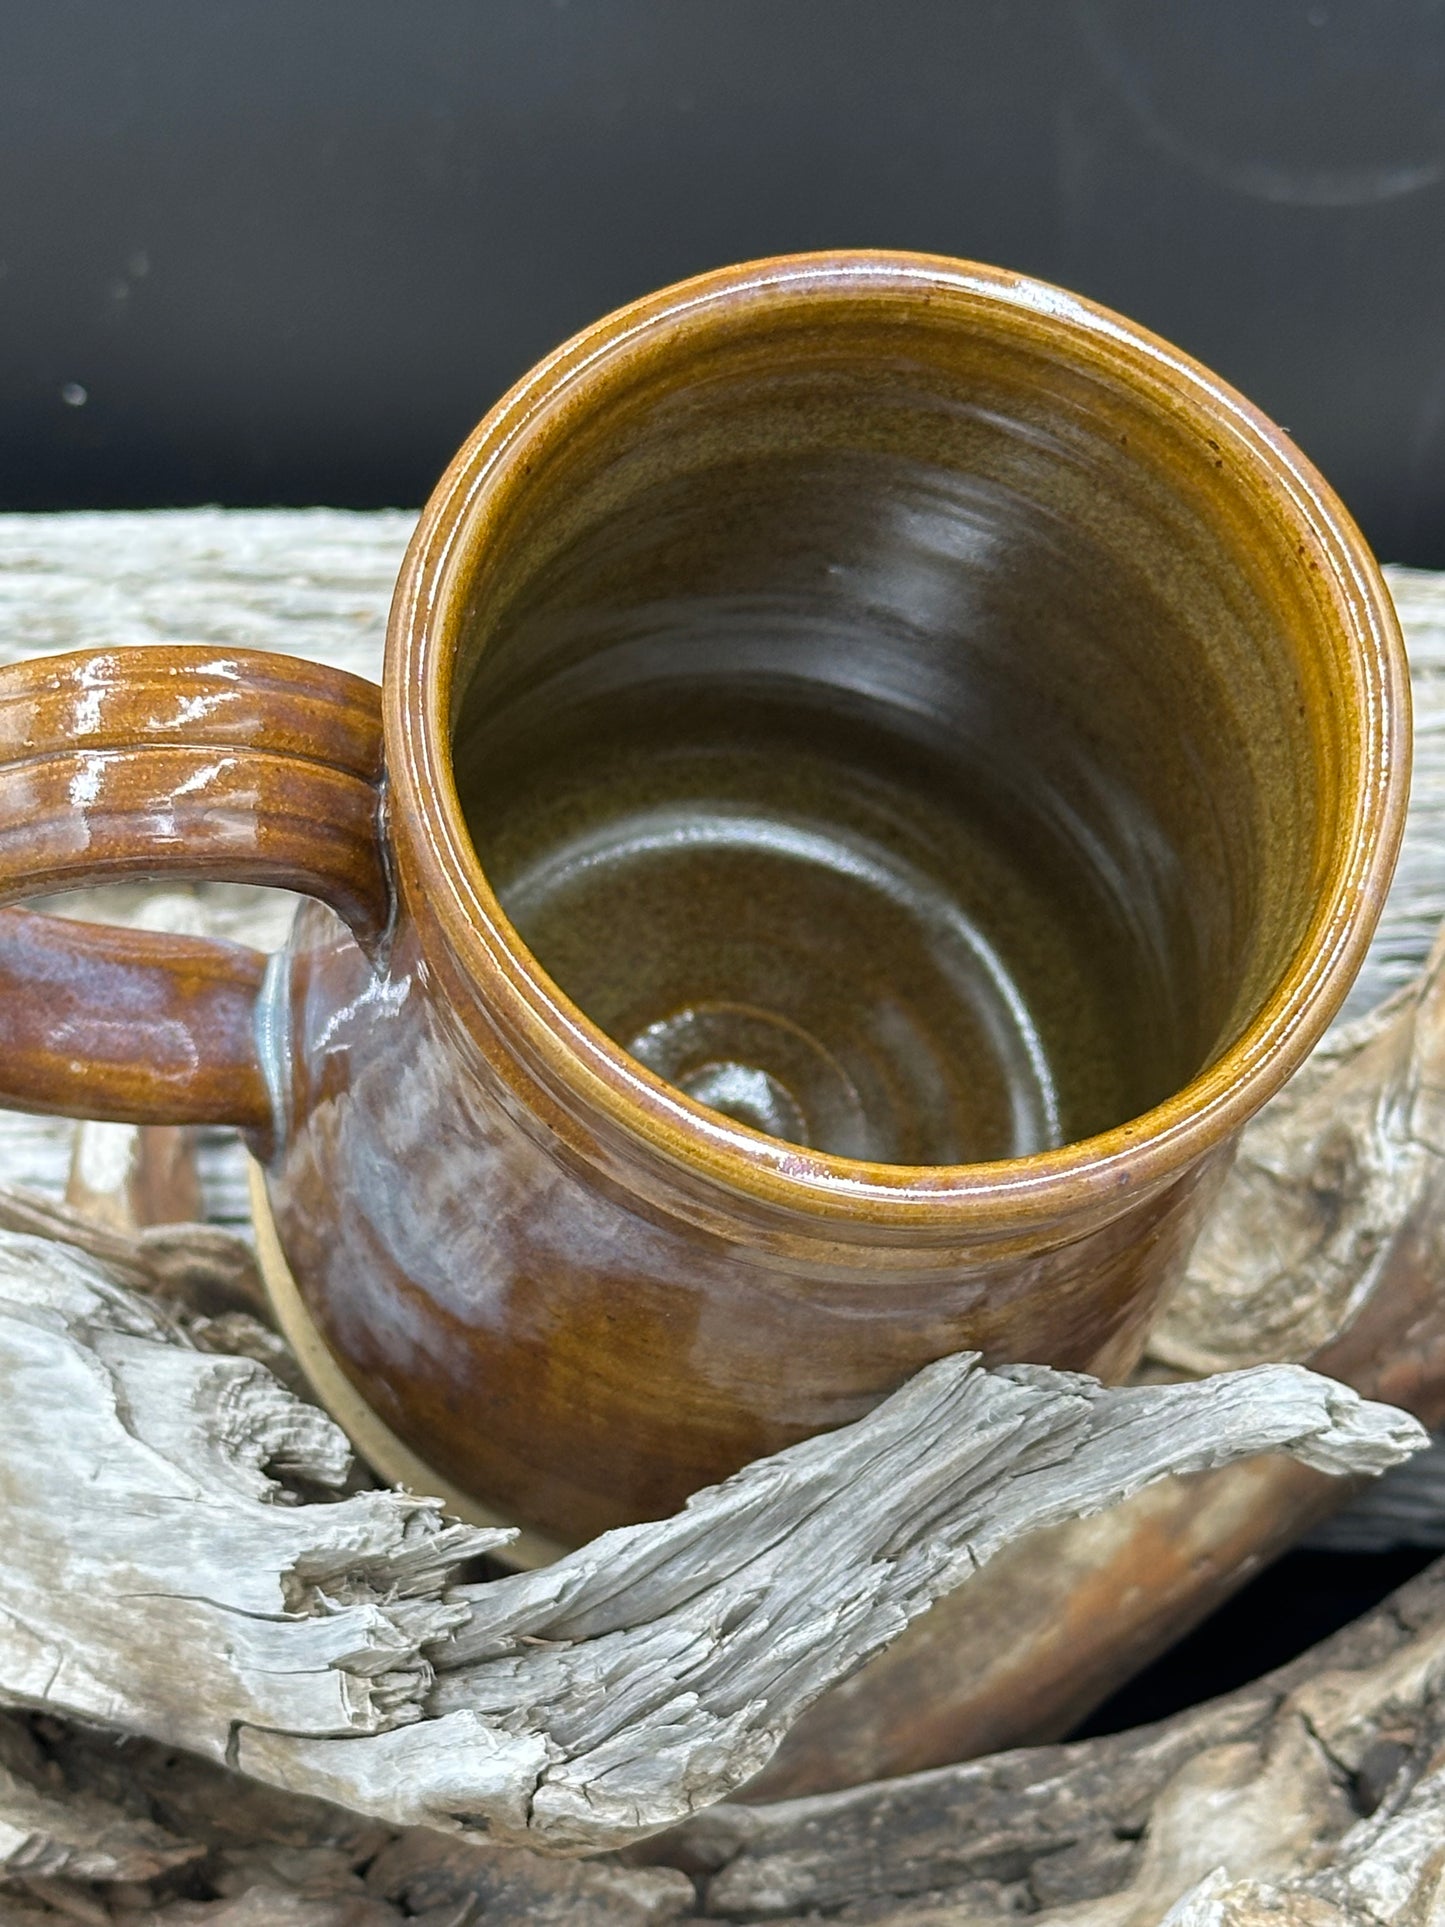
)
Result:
{"points": [[882, 767]]}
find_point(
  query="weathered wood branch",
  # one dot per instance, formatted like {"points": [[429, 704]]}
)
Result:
{"points": [[1323, 1781], [158, 1581], [1315, 1790]]}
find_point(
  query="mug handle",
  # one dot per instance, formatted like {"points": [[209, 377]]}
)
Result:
{"points": [[191, 763]]}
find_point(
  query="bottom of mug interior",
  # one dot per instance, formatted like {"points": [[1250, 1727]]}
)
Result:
{"points": [[373, 1439]]}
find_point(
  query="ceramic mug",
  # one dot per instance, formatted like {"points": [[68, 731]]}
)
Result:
{"points": [[882, 768]]}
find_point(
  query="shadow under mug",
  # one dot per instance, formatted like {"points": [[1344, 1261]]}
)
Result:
{"points": [[882, 768]]}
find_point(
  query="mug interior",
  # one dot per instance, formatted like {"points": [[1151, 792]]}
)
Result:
{"points": [[898, 731]]}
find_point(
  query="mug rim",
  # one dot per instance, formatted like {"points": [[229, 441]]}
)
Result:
{"points": [[586, 1070]]}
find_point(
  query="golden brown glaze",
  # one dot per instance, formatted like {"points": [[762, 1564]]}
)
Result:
{"points": [[1062, 1620], [194, 762], [186, 762], [1006, 589], [549, 1341], [129, 1025]]}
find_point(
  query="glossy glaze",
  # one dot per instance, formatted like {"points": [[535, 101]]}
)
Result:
{"points": [[129, 1025], [558, 1345], [877, 598], [185, 762], [867, 787]]}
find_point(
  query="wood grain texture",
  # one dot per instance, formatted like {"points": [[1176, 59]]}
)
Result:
{"points": [[159, 1583], [1333, 1759], [1313, 1796]]}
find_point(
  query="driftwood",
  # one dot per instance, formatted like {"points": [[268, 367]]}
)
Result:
{"points": [[592, 1664], [157, 1582], [1313, 1796], [1323, 1785]]}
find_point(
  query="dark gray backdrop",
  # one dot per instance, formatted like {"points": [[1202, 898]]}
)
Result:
{"points": [[288, 251]]}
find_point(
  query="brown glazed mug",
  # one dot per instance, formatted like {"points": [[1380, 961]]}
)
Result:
{"points": [[882, 768]]}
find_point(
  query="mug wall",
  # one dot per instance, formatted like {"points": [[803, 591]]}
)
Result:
{"points": [[876, 733]]}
